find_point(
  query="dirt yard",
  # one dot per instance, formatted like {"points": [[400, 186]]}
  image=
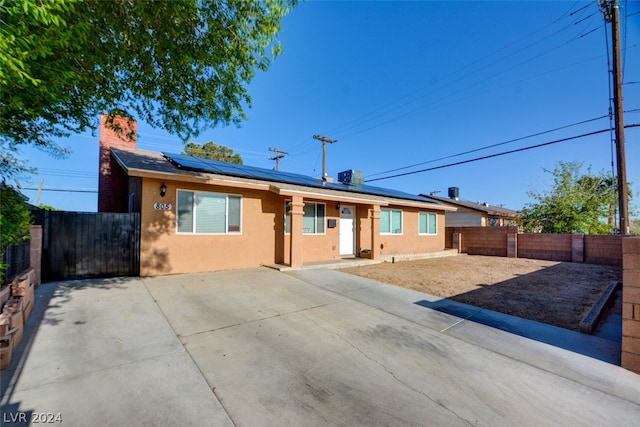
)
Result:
{"points": [[557, 293]]}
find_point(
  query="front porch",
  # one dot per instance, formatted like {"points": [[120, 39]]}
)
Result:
{"points": [[333, 264], [330, 264]]}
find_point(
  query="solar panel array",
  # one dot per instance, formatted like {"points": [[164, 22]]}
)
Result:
{"points": [[197, 164]]}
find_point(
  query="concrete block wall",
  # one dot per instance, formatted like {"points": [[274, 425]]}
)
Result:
{"points": [[491, 241], [552, 247], [631, 304], [504, 241], [605, 249]]}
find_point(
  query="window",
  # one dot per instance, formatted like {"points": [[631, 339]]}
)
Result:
{"points": [[428, 223], [390, 221], [208, 213], [312, 220]]}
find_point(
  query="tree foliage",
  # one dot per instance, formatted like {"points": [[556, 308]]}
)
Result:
{"points": [[182, 66], [575, 203], [15, 219], [211, 150]]}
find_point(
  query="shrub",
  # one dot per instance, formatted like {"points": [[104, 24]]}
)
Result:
{"points": [[15, 219]]}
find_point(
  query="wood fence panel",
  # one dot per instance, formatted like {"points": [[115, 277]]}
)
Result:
{"points": [[91, 244]]}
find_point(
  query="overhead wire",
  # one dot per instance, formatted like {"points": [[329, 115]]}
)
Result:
{"points": [[415, 99], [504, 153], [492, 145], [308, 143], [348, 124], [611, 126]]}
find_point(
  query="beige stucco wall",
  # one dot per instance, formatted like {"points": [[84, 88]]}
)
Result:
{"points": [[410, 241], [263, 240], [319, 247], [363, 228], [163, 251]]}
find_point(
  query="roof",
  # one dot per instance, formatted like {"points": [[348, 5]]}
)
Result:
{"points": [[187, 168], [480, 207]]}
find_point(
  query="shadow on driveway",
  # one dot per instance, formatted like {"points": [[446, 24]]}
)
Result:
{"points": [[588, 345]]}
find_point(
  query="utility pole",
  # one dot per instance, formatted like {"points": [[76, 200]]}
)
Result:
{"points": [[279, 154], [611, 11], [324, 140], [39, 192]]}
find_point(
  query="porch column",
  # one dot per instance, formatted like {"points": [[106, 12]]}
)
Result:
{"points": [[296, 212], [375, 232]]}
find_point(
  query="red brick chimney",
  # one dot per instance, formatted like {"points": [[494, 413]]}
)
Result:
{"points": [[113, 182]]}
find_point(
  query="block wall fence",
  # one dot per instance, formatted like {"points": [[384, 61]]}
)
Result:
{"points": [[507, 242], [631, 304], [623, 251]]}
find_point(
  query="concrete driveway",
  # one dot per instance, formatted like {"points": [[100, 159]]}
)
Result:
{"points": [[312, 347]]}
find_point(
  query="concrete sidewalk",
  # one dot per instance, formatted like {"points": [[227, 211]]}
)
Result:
{"points": [[314, 347]]}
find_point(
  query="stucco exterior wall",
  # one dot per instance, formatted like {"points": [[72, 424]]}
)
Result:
{"points": [[410, 241], [263, 239], [318, 247], [363, 228], [163, 251]]}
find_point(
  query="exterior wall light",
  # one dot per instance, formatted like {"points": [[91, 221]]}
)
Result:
{"points": [[163, 189], [338, 206]]}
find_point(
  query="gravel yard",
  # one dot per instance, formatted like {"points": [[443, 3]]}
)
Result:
{"points": [[557, 293]]}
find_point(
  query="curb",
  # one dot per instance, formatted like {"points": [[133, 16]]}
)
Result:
{"points": [[590, 321]]}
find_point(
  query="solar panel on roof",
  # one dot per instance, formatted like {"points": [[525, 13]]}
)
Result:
{"points": [[214, 166]]}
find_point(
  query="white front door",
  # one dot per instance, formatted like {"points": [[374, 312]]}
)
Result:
{"points": [[347, 236]]}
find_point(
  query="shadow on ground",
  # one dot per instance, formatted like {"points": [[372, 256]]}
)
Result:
{"points": [[606, 348], [48, 297]]}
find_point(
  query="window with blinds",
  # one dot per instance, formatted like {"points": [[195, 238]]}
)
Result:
{"points": [[312, 221], [209, 213]]}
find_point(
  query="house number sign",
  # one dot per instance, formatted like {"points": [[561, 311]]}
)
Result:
{"points": [[162, 206]]}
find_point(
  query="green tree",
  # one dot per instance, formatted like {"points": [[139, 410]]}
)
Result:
{"points": [[576, 202], [211, 150], [182, 66], [15, 219]]}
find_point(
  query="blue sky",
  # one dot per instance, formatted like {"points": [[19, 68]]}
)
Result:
{"points": [[402, 83]]}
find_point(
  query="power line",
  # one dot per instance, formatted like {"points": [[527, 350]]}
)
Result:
{"points": [[62, 189], [492, 145], [386, 109], [415, 96], [324, 141], [499, 154], [279, 154]]}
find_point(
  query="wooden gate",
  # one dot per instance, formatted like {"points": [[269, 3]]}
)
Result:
{"points": [[78, 244]]}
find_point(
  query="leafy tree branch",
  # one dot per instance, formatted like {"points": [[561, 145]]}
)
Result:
{"points": [[181, 66]]}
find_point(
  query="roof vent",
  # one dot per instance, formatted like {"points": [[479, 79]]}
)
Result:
{"points": [[454, 193], [486, 204], [351, 177]]}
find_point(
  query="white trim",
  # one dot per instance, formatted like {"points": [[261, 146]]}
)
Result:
{"points": [[316, 219], [391, 221], [427, 234], [352, 233], [194, 212]]}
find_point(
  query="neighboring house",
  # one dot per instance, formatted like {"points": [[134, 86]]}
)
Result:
{"points": [[202, 215], [475, 214]]}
